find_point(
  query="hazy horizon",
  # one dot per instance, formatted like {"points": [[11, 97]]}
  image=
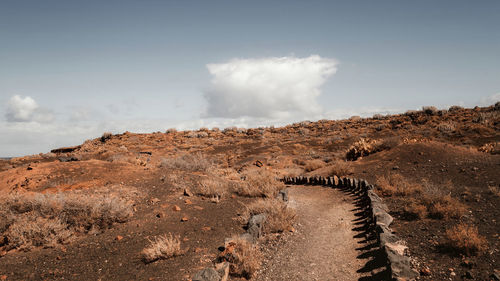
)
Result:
{"points": [[70, 71]]}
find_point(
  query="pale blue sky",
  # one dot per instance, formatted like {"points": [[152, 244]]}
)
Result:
{"points": [[141, 65]]}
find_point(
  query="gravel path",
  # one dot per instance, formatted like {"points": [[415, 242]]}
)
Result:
{"points": [[323, 247]]}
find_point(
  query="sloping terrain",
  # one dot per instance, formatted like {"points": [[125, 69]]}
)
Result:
{"points": [[436, 169]]}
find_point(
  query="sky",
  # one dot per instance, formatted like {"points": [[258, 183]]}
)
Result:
{"points": [[71, 70]]}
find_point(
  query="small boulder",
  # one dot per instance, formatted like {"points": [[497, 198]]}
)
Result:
{"points": [[207, 274]]}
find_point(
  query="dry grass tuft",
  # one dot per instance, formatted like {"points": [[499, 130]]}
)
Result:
{"points": [[162, 247], [187, 162], [340, 168], [415, 210], [259, 183], [30, 220], [312, 165], [245, 258], [446, 207], [396, 184], [466, 239], [494, 190], [279, 217], [212, 188], [361, 148]]}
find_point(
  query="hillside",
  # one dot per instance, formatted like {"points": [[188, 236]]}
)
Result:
{"points": [[87, 212]]}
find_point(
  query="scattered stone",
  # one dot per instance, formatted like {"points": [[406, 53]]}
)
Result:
{"points": [[425, 271], [68, 159], [223, 270], [176, 208], [206, 228], [198, 208], [496, 275], [255, 224], [184, 219], [207, 274], [283, 195], [160, 215], [188, 202], [118, 237], [3, 277], [154, 200], [258, 163], [187, 192]]}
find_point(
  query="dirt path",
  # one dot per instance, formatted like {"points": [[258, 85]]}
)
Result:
{"points": [[324, 246]]}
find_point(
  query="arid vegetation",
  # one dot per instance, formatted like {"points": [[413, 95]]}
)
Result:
{"points": [[30, 220], [162, 247], [435, 169], [466, 239], [279, 217]]}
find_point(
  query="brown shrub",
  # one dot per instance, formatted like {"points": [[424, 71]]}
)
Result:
{"points": [[106, 136], [494, 190], [47, 219], [315, 164], [446, 207], [361, 148], [244, 259], [415, 210], [396, 184], [279, 217], [32, 230], [340, 168], [430, 110], [162, 247], [259, 183], [212, 188], [187, 162], [446, 127], [466, 239]]}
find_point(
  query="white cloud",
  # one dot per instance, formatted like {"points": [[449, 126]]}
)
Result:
{"points": [[26, 109], [267, 87], [487, 101]]}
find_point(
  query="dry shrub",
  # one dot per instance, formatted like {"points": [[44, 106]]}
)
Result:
{"points": [[106, 136], [415, 210], [32, 230], [446, 127], [494, 190], [279, 217], [212, 188], [46, 219], [493, 148], [312, 165], [162, 247], [466, 239], [340, 168], [259, 183], [430, 110], [446, 207], [244, 258], [187, 162], [396, 184], [441, 205], [361, 148]]}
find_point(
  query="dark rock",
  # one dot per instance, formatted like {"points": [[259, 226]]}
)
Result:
{"points": [[68, 159], [65, 149], [283, 195], [207, 274], [496, 275], [469, 275], [255, 224]]}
